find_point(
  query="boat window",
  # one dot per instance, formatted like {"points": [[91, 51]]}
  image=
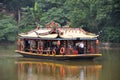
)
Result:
{"points": [[32, 44], [27, 45]]}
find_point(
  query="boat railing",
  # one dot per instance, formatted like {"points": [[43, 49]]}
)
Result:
{"points": [[39, 51]]}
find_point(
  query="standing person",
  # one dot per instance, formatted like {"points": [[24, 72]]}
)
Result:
{"points": [[81, 48], [58, 47]]}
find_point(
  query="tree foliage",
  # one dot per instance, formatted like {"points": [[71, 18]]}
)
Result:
{"points": [[14, 5], [8, 28], [98, 16]]}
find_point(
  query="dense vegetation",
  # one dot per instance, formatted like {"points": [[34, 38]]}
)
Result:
{"points": [[97, 16]]}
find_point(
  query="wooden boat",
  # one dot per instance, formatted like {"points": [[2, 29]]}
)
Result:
{"points": [[58, 43]]}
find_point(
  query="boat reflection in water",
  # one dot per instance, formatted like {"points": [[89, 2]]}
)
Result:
{"points": [[56, 70]]}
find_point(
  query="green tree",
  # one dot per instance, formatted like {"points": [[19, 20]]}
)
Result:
{"points": [[111, 29], [14, 5], [52, 10], [8, 28], [92, 15], [27, 19], [110, 34]]}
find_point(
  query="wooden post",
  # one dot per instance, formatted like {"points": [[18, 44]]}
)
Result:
{"points": [[86, 46]]}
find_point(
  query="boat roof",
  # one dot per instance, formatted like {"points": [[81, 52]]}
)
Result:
{"points": [[59, 34]]}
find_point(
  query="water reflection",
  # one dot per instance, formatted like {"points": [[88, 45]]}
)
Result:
{"points": [[49, 70]]}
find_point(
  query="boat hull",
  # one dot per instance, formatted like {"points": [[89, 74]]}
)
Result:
{"points": [[58, 57]]}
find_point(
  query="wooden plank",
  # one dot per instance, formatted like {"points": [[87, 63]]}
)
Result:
{"points": [[35, 55]]}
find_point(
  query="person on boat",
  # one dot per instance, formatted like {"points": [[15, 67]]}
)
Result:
{"points": [[19, 44], [57, 48], [28, 44], [81, 48], [70, 49]]}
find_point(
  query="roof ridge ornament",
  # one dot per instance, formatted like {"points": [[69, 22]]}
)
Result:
{"points": [[53, 24]]}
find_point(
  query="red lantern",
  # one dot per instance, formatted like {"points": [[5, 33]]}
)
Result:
{"points": [[97, 42]]}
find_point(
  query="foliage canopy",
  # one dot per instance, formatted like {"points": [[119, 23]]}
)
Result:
{"points": [[98, 16]]}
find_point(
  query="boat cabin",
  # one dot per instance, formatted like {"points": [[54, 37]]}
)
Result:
{"points": [[58, 41]]}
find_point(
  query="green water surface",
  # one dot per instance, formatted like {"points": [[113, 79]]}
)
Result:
{"points": [[14, 67]]}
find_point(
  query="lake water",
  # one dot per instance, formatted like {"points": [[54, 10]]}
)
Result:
{"points": [[14, 67]]}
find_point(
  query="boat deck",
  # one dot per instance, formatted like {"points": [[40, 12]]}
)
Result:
{"points": [[59, 57]]}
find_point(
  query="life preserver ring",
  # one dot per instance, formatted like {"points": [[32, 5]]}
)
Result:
{"points": [[62, 50], [53, 52]]}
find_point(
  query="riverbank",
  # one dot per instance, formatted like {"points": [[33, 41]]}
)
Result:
{"points": [[7, 42], [109, 45]]}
